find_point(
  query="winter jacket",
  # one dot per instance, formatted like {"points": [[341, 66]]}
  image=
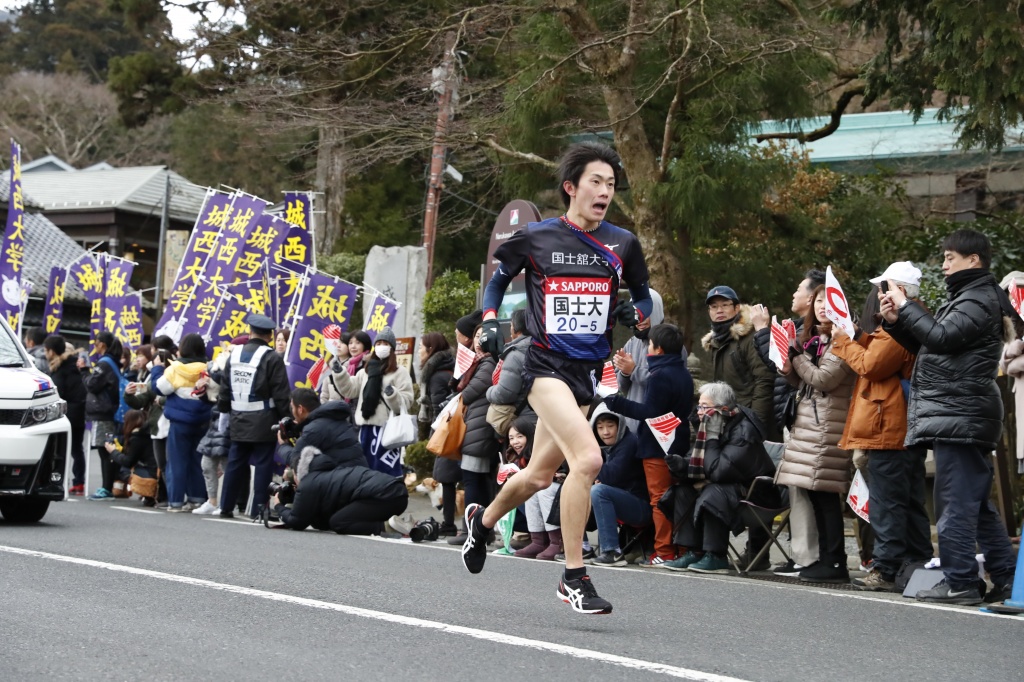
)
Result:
{"points": [[38, 354], [215, 443], [878, 410], [177, 381], [270, 383], [622, 468], [325, 489], [634, 384], [953, 392], [352, 387], [68, 380], [434, 378], [102, 385], [782, 392], [138, 454], [329, 429], [738, 364], [510, 390], [813, 459], [731, 463], [480, 444], [669, 389], [145, 398]]}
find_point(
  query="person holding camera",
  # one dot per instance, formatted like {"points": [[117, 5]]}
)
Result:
{"points": [[103, 395], [254, 396], [325, 426], [350, 500]]}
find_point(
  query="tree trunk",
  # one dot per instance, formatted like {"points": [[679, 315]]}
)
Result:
{"points": [[330, 179]]}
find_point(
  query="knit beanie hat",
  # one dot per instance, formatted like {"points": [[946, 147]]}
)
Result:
{"points": [[468, 324]]}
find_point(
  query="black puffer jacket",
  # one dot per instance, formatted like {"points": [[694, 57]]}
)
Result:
{"points": [[215, 443], [103, 386], [434, 378], [783, 392], [480, 445], [329, 429], [953, 392], [68, 380], [138, 455], [325, 489]]}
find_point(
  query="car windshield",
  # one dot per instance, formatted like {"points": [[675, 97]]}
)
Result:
{"points": [[9, 354]]}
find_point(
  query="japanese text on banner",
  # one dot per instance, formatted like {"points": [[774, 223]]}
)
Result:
{"points": [[12, 259], [54, 308], [325, 300], [382, 314]]}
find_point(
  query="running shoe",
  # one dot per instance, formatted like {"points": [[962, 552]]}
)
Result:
{"points": [[474, 550], [581, 595]]}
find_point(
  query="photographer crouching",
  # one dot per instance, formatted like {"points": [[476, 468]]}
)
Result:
{"points": [[334, 488]]}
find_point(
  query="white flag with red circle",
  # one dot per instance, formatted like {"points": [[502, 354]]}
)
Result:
{"points": [[837, 308], [664, 429], [1016, 297], [463, 360]]}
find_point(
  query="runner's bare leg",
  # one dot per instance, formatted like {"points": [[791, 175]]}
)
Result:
{"points": [[562, 434]]}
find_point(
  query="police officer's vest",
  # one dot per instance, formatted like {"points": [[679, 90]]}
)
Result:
{"points": [[243, 378]]}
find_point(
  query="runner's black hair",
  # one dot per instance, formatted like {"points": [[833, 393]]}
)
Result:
{"points": [[575, 161]]}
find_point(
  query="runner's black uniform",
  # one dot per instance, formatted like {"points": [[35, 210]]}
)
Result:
{"points": [[572, 285]]}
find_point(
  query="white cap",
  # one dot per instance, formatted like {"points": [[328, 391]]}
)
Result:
{"points": [[902, 271]]}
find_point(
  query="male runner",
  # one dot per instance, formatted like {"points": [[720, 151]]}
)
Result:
{"points": [[574, 266]]}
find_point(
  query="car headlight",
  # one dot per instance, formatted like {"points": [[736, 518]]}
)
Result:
{"points": [[42, 414]]}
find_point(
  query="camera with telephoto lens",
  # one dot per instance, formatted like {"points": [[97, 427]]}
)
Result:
{"points": [[285, 491], [288, 429]]}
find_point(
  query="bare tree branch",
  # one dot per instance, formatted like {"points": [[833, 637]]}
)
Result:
{"points": [[832, 126]]}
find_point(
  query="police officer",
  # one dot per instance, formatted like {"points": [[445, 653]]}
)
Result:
{"points": [[254, 396]]}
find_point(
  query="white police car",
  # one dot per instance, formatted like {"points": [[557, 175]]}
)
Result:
{"points": [[35, 436]]}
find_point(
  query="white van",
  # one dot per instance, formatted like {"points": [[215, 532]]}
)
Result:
{"points": [[35, 435]]}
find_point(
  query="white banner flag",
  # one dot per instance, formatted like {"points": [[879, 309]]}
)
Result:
{"points": [[858, 496], [837, 308], [664, 429]]}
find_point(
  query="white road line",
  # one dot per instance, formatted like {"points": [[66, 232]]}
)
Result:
{"points": [[138, 511], [243, 523], [485, 635]]}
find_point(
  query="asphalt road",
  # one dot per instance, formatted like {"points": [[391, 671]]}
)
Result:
{"points": [[103, 591]]}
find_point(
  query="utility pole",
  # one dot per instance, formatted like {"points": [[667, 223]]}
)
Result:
{"points": [[445, 82], [158, 298]]}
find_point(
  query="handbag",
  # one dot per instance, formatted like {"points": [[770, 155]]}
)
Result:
{"points": [[449, 431], [500, 417], [143, 487], [399, 430]]}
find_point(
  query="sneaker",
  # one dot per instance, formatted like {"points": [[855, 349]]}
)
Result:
{"points": [[101, 494], [874, 581], [609, 559], [447, 530], [402, 524], [656, 561], [582, 596], [999, 593], [790, 569], [825, 572], [148, 502], [764, 564], [711, 563], [206, 509], [474, 551], [944, 594], [226, 515], [684, 562], [177, 510], [77, 490], [588, 554]]}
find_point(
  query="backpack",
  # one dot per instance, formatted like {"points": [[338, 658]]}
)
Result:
{"points": [[122, 384]]}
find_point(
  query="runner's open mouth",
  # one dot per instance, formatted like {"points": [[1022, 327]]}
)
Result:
{"points": [[599, 206]]}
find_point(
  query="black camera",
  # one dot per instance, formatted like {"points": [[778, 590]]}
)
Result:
{"points": [[425, 530], [285, 491], [288, 429]]}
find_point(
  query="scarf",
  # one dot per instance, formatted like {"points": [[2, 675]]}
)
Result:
{"points": [[465, 378], [353, 364], [721, 332], [373, 390], [696, 468], [958, 281]]}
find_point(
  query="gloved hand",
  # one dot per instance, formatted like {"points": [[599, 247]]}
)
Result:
{"points": [[222, 422], [491, 338], [624, 313], [389, 391]]}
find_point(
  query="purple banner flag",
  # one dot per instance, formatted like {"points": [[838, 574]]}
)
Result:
{"points": [[242, 245], [54, 309], [382, 314], [116, 300], [325, 300], [228, 319], [202, 246], [129, 321], [13, 254], [87, 271], [299, 244]]}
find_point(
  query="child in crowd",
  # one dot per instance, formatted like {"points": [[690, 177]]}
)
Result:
{"points": [[620, 491], [135, 455]]}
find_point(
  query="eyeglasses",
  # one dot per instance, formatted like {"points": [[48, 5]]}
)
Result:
{"points": [[704, 408], [715, 307]]}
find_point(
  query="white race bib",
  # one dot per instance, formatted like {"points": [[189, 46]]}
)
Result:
{"points": [[577, 305]]}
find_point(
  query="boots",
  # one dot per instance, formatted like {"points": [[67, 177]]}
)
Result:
{"points": [[538, 543], [554, 546]]}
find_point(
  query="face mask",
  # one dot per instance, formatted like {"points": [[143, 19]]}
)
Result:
{"points": [[641, 334], [382, 351]]}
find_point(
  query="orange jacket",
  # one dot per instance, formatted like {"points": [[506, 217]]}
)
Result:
{"points": [[878, 411]]}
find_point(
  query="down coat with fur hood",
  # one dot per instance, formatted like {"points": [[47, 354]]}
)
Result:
{"points": [[738, 364], [813, 459]]}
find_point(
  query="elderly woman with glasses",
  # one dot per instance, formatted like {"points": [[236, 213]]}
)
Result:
{"points": [[728, 454]]}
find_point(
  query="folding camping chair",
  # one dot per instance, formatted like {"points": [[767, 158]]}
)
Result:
{"points": [[635, 538], [773, 520]]}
